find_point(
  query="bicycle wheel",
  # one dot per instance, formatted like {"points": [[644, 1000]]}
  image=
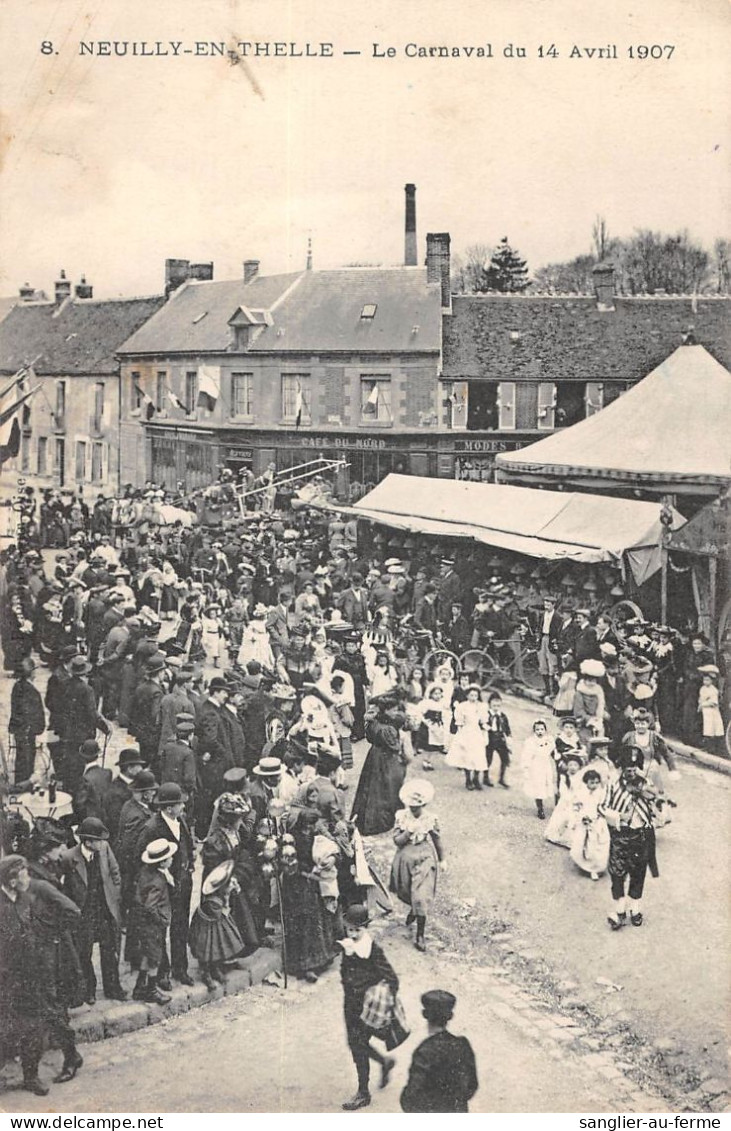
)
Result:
{"points": [[480, 666], [619, 614], [436, 659]]}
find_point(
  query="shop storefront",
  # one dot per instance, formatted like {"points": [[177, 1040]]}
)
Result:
{"points": [[195, 457]]}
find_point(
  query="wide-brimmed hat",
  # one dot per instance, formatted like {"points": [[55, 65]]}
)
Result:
{"points": [[217, 878], [643, 691], [599, 740], [131, 756], [235, 777], [90, 750], [417, 791], [92, 828], [593, 668], [282, 691], [268, 768], [219, 683], [155, 663], [169, 793], [80, 665], [160, 850]]}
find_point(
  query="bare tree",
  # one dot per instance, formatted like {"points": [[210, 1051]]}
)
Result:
{"points": [[468, 269], [722, 264]]}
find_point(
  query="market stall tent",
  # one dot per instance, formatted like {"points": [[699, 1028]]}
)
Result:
{"points": [[543, 524], [670, 433]]}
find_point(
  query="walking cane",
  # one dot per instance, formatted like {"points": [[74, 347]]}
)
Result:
{"points": [[281, 922]]}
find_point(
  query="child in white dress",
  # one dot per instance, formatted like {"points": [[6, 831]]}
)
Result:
{"points": [[467, 750]]}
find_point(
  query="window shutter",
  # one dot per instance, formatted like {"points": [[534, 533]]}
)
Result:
{"points": [[87, 461], [506, 405], [546, 405], [105, 463], [594, 397]]}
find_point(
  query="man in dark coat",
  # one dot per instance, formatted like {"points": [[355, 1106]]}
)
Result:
{"points": [[27, 719], [92, 879], [130, 763], [353, 603], [91, 792], [169, 823], [450, 590], [55, 698], [79, 720], [177, 760], [443, 1076], [214, 753], [352, 661], [22, 988], [145, 716], [235, 737]]}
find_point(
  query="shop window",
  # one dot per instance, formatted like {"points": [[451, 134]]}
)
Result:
{"points": [[506, 405], [546, 405], [241, 389], [593, 397], [375, 400], [482, 406], [296, 397], [570, 403], [42, 455]]}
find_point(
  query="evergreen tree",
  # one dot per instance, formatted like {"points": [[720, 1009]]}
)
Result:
{"points": [[507, 271]]}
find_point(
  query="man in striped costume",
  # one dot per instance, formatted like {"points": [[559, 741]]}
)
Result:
{"points": [[629, 813]]}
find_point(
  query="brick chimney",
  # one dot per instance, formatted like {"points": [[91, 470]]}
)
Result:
{"points": [[62, 288], [438, 264], [603, 275], [84, 289], [201, 272], [177, 272], [410, 254], [27, 293], [251, 270]]}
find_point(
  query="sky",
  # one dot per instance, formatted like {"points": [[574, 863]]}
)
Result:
{"points": [[110, 165]]}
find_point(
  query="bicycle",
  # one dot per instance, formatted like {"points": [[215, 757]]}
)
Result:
{"points": [[499, 663]]}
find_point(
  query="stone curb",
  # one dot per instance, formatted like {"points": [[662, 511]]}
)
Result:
{"points": [[692, 753], [114, 1019]]}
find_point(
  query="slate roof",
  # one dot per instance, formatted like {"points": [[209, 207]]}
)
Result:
{"points": [[563, 337], [195, 317], [317, 312], [6, 305], [80, 337]]}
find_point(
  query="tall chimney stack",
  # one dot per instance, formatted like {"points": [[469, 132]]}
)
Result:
{"points": [[84, 289], [410, 256], [62, 288], [603, 275], [177, 272], [251, 269], [27, 293], [438, 266]]}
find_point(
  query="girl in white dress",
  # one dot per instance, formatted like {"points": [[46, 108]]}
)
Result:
{"points": [[539, 768], [467, 750], [590, 842], [708, 705], [563, 819], [255, 643]]}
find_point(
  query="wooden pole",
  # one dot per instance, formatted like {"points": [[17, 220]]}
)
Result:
{"points": [[712, 570], [664, 583]]}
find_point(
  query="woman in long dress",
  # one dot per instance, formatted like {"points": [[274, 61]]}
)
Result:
{"points": [[311, 926], [590, 843], [563, 819], [255, 643], [539, 768], [418, 856], [377, 796], [468, 746]]}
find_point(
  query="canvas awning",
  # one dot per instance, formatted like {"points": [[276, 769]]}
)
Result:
{"points": [[669, 433], [543, 524]]}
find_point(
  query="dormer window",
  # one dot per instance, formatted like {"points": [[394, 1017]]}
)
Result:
{"points": [[368, 313]]}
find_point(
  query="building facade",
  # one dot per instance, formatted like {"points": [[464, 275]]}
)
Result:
{"points": [[340, 363], [70, 433]]}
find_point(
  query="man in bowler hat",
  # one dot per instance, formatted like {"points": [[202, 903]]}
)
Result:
{"points": [[92, 879], [443, 1076], [169, 823]]}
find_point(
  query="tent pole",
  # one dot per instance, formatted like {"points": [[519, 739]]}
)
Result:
{"points": [[664, 584], [712, 568]]}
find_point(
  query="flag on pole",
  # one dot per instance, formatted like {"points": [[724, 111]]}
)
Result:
{"points": [[298, 406], [10, 426], [209, 385], [147, 402], [175, 401]]}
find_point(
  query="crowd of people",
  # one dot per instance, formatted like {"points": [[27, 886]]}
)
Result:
{"points": [[231, 669]]}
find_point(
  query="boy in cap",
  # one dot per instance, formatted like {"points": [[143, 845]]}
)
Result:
{"points": [[153, 916], [442, 1076], [177, 760]]}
